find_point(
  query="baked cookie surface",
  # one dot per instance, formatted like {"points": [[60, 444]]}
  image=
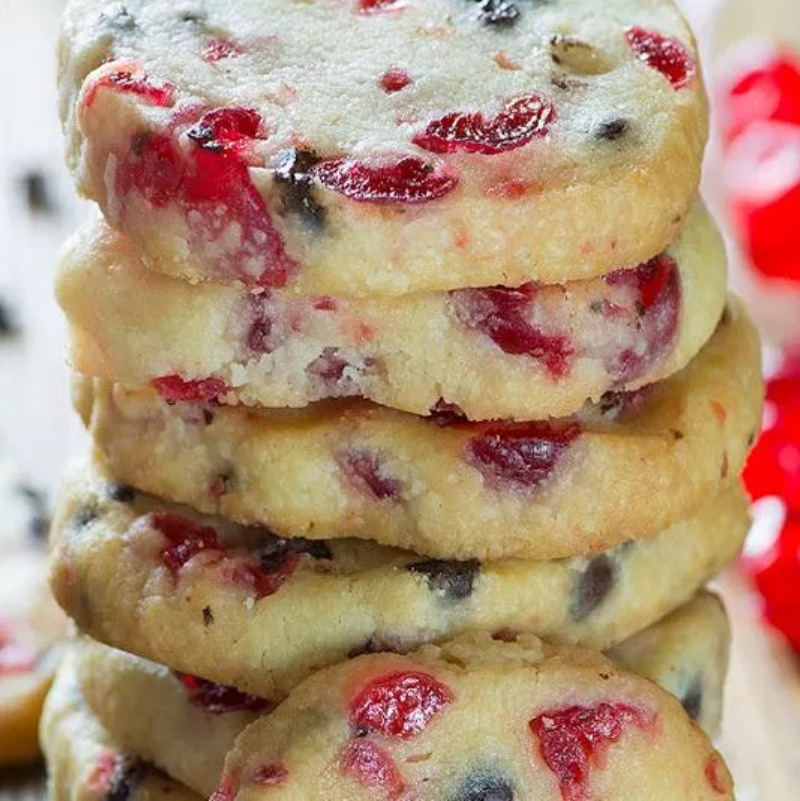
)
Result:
{"points": [[426, 146], [244, 608], [528, 353], [442, 487]]}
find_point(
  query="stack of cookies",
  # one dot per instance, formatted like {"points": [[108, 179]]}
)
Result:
{"points": [[418, 404]]}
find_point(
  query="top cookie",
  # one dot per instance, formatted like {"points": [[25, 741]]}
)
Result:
{"points": [[379, 147]]}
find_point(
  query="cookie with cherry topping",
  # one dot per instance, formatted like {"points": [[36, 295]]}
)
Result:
{"points": [[241, 607], [431, 145], [440, 486], [153, 712], [477, 718], [526, 353], [83, 761]]}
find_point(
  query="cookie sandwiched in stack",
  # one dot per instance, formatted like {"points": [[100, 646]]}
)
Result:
{"points": [[418, 400]]}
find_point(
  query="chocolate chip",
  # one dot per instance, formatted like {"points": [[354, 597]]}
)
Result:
{"points": [[208, 416], [208, 616], [453, 580], [121, 493], [293, 174], [316, 549], [499, 13], [484, 787], [129, 770], [612, 130], [592, 586], [8, 326], [751, 439], [36, 192], [692, 700], [84, 515]]}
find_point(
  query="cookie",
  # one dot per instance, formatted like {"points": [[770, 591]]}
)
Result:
{"points": [[242, 607], [31, 624], [187, 725], [527, 353], [84, 764], [476, 718], [442, 487], [430, 145]]}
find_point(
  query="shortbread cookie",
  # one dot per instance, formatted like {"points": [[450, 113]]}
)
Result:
{"points": [[472, 719], [187, 725], [440, 486], [31, 624], [83, 764], [243, 608], [363, 147], [527, 353]]}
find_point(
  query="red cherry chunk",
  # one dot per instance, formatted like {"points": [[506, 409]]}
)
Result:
{"points": [[267, 576], [770, 90], [664, 53], [270, 775], [219, 49], [126, 81], [573, 740], [714, 775], [517, 123], [399, 704], [376, 6], [504, 315], [218, 699], [371, 766], [186, 539], [395, 79], [409, 180], [366, 471], [174, 389], [102, 773], [520, 455]]}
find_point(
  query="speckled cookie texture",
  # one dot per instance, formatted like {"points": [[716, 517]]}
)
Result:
{"points": [[31, 624], [428, 145], [440, 486], [519, 719], [243, 608], [525, 353], [186, 725], [83, 762]]}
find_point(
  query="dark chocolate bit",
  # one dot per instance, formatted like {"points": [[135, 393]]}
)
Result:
{"points": [[40, 511], [8, 326], [592, 586], [129, 771], [36, 191], [612, 130], [452, 580], [274, 554], [84, 515], [121, 493], [208, 616], [484, 787], [692, 699], [499, 13], [208, 416], [293, 174]]}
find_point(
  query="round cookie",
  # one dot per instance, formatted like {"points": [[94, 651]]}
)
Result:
{"points": [[440, 486], [31, 624], [187, 725], [476, 718], [430, 145], [240, 607], [528, 353], [83, 764]]}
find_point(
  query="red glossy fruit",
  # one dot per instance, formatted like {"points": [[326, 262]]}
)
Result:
{"points": [[186, 539], [366, 471], [762, 175], [371, 766], [520, 455], [218, 699], [126, 81], [408, 181], [766, 90], [517, 123], [395, 79], [376, 6], [664, 53], [219, 49], [270, 775], [174, 389], [572, 741], [504, 315], [399, 704]]}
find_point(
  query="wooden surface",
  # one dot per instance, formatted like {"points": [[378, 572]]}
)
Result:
{"points": [[762, 730]]}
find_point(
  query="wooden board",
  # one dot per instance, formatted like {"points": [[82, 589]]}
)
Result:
{"points": [[762, 731]]}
